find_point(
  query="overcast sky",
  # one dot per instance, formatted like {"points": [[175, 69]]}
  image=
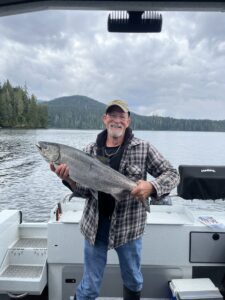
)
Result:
{"points": [[179, 72]]}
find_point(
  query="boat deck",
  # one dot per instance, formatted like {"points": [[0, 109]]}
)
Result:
{"points": [[17, 271], [30, 243]]}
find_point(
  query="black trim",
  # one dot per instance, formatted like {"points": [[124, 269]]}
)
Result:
{"points": [[21, 216]]}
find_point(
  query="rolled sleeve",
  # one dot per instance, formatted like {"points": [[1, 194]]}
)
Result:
{"points": [[166, 176]]}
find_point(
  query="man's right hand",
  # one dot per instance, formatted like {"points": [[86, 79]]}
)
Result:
{"points": [[62, 171]]}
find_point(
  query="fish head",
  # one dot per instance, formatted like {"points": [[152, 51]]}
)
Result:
{"points": [[50, 151]]}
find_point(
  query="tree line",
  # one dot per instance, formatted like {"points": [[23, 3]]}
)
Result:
{"points": [[80, 112], [19, 110], [168, 123]]}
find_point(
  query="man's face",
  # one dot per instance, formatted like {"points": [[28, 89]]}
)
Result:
{"points": [[116, 121]]}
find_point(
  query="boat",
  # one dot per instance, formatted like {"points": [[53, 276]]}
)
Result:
{"points": [[17, 6], [184, 236]]}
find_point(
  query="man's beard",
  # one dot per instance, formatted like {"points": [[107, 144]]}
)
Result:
{"points": [[116, 133]]}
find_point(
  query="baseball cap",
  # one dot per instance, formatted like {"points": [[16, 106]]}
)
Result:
{"points": [[122, 104]]}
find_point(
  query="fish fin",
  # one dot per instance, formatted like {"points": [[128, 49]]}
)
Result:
{"points": [[71, 196]]}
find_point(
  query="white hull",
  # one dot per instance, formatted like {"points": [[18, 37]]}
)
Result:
{"points": [[175, 245]]}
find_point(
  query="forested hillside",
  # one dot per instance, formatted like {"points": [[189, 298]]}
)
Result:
{"points": [[18, 110], [85, 113], [75, 112], [166, 123]]}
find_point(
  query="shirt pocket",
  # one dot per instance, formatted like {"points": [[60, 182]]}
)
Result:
{"points": [[133, 172]]}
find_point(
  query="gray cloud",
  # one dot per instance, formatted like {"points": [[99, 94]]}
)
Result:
{"points": [[179, 72]]}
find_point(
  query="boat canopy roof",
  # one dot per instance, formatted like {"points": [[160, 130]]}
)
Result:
{"points": [[10, 7]]}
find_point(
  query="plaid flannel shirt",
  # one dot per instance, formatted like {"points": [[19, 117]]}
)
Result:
{"points": [[129, 216]]}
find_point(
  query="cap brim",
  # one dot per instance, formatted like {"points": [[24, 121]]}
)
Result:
{"points": [[120, 106]]}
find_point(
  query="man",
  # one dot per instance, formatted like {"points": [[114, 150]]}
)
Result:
{"points": [[107, 223]]}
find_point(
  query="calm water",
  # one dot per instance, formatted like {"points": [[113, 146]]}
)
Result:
{"points": [[26, 183]]}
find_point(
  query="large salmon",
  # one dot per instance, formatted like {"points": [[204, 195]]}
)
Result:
{"points": [[87, 170]]}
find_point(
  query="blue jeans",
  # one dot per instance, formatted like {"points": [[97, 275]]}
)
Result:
{"points": [[95, 258]]}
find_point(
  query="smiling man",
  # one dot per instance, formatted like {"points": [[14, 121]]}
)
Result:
{"points": [[109, 224], [116, 120]]}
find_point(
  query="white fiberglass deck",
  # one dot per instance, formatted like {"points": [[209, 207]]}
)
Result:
{"points": [[31, 243], [18, 271]]}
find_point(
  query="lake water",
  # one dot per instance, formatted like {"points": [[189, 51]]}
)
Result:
{"points": [[26, 182]]}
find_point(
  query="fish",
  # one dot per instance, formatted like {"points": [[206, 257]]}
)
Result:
{"points": [[88, 170]]}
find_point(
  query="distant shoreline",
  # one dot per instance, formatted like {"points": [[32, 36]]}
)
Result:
{"points": [[99, 129]]}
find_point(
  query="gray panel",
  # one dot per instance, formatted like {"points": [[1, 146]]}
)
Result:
{"points": [[111, 286], [207, 247], [155, 281], [74, 274], [216, 274]]}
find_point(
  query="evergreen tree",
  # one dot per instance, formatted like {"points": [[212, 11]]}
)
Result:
{"points": [[19, 110]]}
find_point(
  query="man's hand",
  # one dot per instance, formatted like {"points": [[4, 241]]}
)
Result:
{"points": [[143, 190], [62, 171]]}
